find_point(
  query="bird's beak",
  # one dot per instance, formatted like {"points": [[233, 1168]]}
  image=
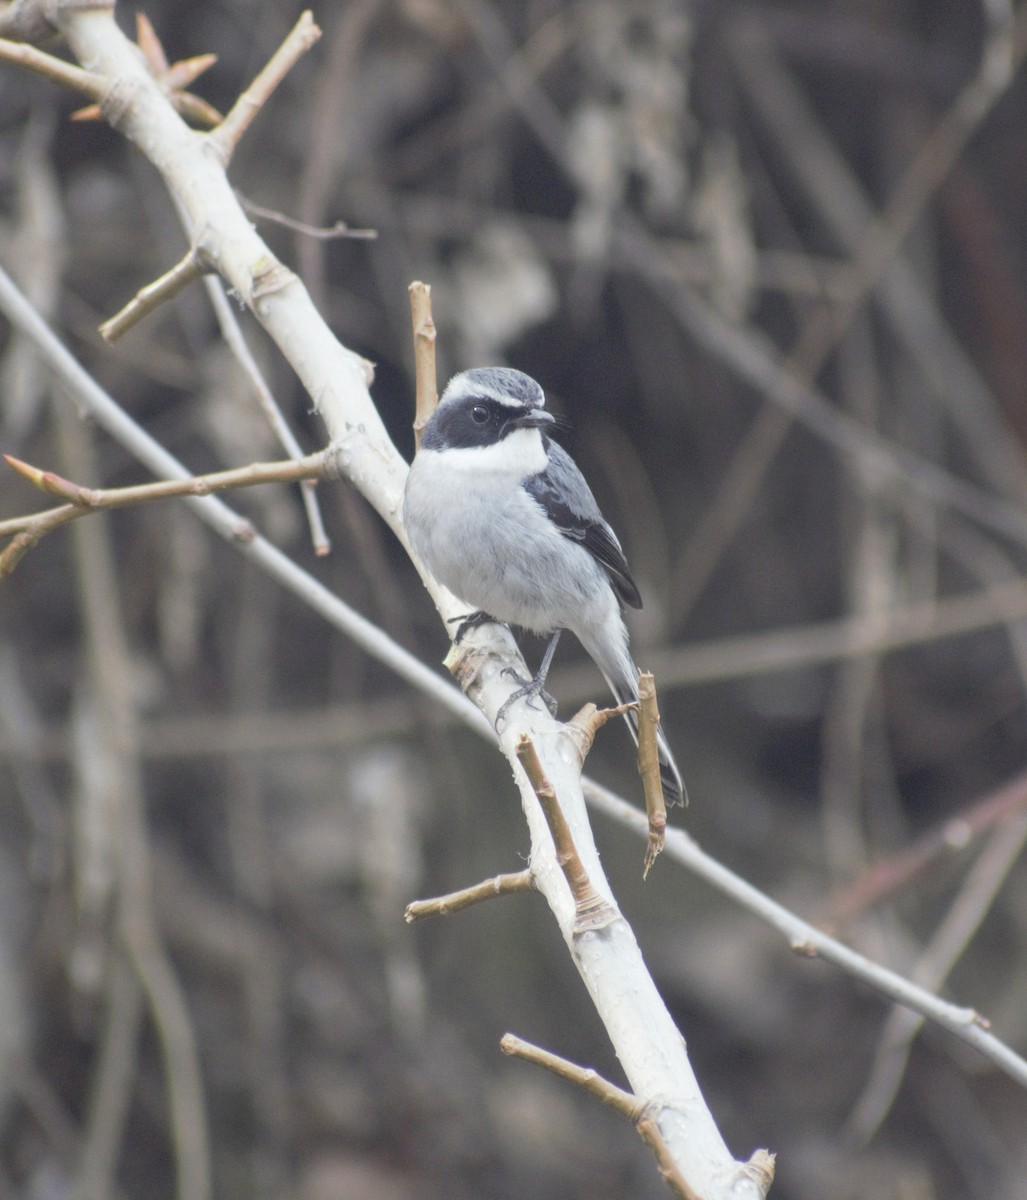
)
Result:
{"points": [[535, 418]]}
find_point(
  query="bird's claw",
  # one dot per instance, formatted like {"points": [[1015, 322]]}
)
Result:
{"points": [[470, 621], [532, 689]]}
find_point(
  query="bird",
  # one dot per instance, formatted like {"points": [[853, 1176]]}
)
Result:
{"points": [[500, 514]]}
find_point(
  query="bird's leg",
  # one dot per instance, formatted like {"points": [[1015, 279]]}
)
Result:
{"points": [[469, 621], [533, 687]]}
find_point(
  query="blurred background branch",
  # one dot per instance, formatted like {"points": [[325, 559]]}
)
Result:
{"points": [[595, 190]]}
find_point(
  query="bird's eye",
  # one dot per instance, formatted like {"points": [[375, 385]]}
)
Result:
{"points": [[479, 414]]}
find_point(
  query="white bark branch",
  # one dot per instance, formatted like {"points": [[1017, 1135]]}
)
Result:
{"points": [[644, 1036]]}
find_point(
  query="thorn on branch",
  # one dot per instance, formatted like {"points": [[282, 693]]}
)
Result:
{"points": [[52, 483], [173, 79]]}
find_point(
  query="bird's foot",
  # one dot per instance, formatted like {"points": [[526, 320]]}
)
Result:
{"points": [[470, 621], [533, 689]]}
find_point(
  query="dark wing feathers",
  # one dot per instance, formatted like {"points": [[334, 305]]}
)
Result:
{"points": [[562, 491], [600, 542]]}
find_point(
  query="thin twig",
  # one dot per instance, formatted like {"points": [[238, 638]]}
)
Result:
{"points": [[649, 768], [488, 889], [586, 1078], [628, 1105], [590, 1081], [232, 332], [28, 531], [240, 116], [591, 910], [151, 297], [427, 395], [319, 232], [55, 69]]}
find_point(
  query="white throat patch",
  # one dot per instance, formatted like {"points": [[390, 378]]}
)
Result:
{"points": [[520, 454]]}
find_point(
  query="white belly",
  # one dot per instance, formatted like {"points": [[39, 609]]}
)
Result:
{"points": [[490, 543]]}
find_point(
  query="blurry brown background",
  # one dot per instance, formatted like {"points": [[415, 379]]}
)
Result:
{"points": [[643, 205]]}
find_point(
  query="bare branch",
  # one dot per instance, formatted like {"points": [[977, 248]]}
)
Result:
{"points": [[93, 83], [649, 768], [759, 1169], [241, 115], [427, 392], [151, 297], [591, 910], [27, 531], [809, 941], [488, 889], [584, 1077], [232, 332]]}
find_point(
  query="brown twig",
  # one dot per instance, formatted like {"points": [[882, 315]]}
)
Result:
{"points": [[587, 722], [586, 1078], [424, 356], [628, 1105], [591, 910], [488, 889], [649, 768], [239, 118], [26, 532], [151, 297], [55, 69]]}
